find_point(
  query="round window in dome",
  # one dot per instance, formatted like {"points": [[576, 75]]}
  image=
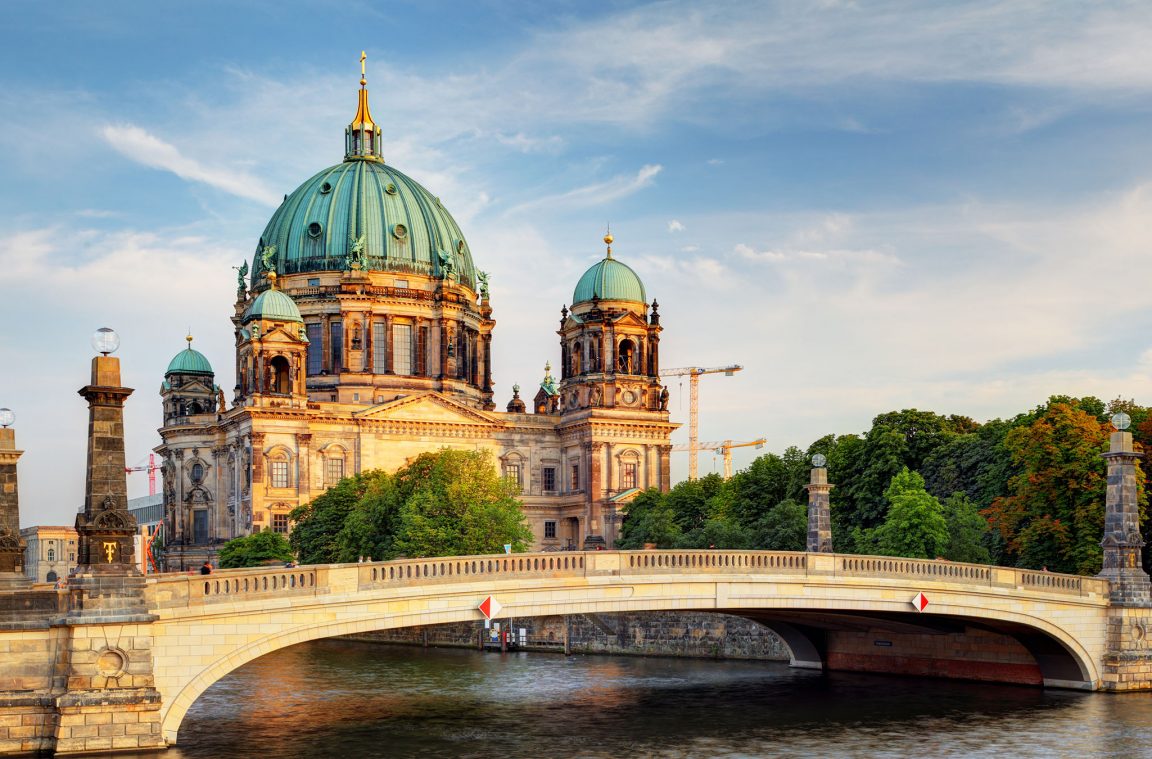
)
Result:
{"points": [[400, 232], [314, 229], [390, 189], [325, 188]]}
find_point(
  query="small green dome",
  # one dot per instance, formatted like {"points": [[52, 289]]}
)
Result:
{"points": [[273, 305], [609, 280], [189, 361]]}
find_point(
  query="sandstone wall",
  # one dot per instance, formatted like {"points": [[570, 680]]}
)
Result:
{"points": [[720, 636]]}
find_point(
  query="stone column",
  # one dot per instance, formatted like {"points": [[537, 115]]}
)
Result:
{"points": [[304, 466], [105, 527], [665, 468], [593, 495], [1122, 542], [819, 515], [105, 651], [11, 547]]}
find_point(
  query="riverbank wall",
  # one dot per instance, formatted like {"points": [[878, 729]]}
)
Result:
{"points": [[677, 634]]}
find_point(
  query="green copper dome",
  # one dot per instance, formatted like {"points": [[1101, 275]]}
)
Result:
{"points": [[273, 305], [609, 280], [189, 361], [402, 226]]}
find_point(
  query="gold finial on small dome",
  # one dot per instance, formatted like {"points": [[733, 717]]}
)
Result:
{"points": [[188, 337], [271, 280], [363, 72], [608, 238]]}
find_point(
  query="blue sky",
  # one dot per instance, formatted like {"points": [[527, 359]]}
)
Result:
{"points": [[870, 205]]}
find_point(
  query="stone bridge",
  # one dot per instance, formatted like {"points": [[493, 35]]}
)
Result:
{"points": [[833, 611], [126, 681]]}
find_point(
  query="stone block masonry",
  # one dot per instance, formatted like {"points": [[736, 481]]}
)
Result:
{"points": [[677, 634]]}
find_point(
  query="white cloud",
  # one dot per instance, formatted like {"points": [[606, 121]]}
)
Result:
{"points": [[596, 194], [675, 226], [526, 144], [139, 145]]}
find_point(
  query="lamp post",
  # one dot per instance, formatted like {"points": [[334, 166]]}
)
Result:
{"points": [[819, 513]]}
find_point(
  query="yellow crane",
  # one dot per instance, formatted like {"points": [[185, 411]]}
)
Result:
{"points": [[694, 373], [724, 448]]}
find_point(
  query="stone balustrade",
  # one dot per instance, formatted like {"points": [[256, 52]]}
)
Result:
{"points": [[231, 586]]}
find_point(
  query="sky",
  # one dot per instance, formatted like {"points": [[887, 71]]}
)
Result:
{"points": [[868, 205]]}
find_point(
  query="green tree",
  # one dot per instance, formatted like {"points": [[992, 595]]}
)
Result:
{"points": [[717, 533], [694, 502], [915, 525], [255, 550], [863, 468], [649, 519], [458, 505], [1056, 500], [767, 481], [369, 528], [967, 531], [317, 525], [783, 528]]}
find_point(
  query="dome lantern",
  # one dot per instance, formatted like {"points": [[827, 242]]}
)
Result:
{"points": [[362, 138]]}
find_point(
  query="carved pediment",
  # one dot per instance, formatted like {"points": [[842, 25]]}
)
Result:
{"points": [[629, 319], [428, 407], [281, 334]]}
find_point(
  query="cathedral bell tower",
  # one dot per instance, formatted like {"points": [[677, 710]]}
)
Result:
{"points": [[609, 345], [611, 404], [271, 352]]}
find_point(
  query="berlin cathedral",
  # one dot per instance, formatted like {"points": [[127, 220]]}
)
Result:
{"points": [[363, 335]]}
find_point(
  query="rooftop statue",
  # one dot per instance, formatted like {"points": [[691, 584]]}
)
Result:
{"points": [[268, 258], [357, 258]]}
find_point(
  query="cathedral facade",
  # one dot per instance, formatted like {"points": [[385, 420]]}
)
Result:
{"points": [[363, 336]]}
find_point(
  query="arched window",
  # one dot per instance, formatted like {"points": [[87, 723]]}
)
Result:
{"points": [[197, 473], [51, 554], [514, 469], [280, 468], [629, 469], [333, 465], [279, 377], [626, 357]]}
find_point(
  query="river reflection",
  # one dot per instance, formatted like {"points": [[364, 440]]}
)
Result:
{"points": [[350, 699]]}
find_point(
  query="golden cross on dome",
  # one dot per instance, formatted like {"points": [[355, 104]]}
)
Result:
{"points": [[363, 73]]}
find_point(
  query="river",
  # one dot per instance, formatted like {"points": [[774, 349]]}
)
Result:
{"points": [[339, 698]]}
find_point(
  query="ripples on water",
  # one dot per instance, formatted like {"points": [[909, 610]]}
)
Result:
{"points": [[350, 699]]}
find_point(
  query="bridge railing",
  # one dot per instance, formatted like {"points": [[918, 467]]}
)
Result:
{"points": [[240, 585]]}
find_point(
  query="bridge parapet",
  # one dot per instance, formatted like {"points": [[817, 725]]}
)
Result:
{"points": [[231, 586], [181, 591]]}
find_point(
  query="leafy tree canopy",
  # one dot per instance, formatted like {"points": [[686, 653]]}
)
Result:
{"points": [[255, 550], [443, 503], [915, 526]]}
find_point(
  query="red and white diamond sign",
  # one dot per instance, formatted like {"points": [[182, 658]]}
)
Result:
{"points": [[920, 601], [489, 607]]}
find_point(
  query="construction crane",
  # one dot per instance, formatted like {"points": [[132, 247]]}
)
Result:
{"points": [[150, 469], [694, 373], [724, 448]]}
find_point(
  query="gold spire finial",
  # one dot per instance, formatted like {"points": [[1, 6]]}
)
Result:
{"points": [[271, 280], [608, 238], [363, 71], [189, 337]]}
